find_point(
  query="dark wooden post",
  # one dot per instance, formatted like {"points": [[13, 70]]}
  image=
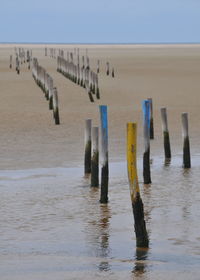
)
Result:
{"points": [[167, 148], [186, 142], [95, 158]]}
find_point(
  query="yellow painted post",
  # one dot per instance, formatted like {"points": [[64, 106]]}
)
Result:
{"points": [[142, 239]]}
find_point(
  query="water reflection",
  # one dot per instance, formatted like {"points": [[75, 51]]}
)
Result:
{"points": [[141, 257], [104, 236], [98, 231], [167, 162], [147, 202]]}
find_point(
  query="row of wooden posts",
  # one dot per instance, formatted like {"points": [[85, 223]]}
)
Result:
{"points": [[91, 161], [52, 53], [45, 82], [82, 76], [21, 56]]}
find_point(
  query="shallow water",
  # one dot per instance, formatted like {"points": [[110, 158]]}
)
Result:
{"points": [[53, 227]]}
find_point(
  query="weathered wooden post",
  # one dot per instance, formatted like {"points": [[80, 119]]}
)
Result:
{"points": [[142, 239], [186, 142], [87, 158], [97, 87], [55, 107], [151, 118], [104, 151], [88, 63], [50, 94], [98, 66], [146, 156], [17, 65], [167, 148], [113, 72], [10, 61], [87, 87], [29, 64], [107, 68], [95, 158]]}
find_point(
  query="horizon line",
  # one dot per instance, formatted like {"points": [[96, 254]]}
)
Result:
{"points": [[85, 43]]}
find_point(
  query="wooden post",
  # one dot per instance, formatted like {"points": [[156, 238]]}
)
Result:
{"points": [[97, 87], [142, 239], [186, 142], [104, 150], [87, 87], [29, 64], [146, 156], [10, 61], [151, 119], [98, 66], [50, 94], [87, 158], [113, 73], [55, 106], [17, 65], [107, 69], [167, 148], [95, 158]]}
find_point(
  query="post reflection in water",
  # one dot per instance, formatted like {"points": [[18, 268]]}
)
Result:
{"points": [[141, 257], [98, 231], [167, 162], [104, 236]]}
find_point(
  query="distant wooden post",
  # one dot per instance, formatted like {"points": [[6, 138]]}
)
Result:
{"points": [[55, 106], [10, 61], [113, 73], [142, 239], [88, 63], [87, 87], [186, 142], [98, 66], [95, 158], [51, 94], [87, 158], [167, 148], [107, 68], [17, 65], [151, 119], [29, 64], [104, 149], [146, 156], [97, 87]]}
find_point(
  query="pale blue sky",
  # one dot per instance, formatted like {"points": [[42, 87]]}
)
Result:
{"points": [[100, 21]]}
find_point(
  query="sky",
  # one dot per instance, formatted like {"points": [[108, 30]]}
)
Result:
{"points": [[100, 21]]}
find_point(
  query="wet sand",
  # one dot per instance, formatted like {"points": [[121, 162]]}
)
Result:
{"points": [[29, 138], [52, 226]]}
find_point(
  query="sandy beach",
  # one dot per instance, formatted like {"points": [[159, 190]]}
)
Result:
{"points": [[48, 228], [29, 138]]}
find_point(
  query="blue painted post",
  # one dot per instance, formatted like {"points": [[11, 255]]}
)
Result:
{"points": [[151, 119], [104, 152], [87, 158], [146, 156]]}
